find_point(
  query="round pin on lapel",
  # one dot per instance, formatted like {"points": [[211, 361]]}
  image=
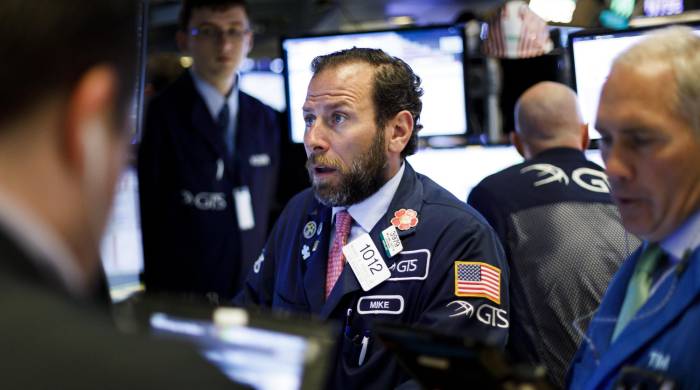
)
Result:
{"points": [[309, 229]]}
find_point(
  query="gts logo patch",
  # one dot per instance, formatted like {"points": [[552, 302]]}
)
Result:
{"points": [[215, 201]]}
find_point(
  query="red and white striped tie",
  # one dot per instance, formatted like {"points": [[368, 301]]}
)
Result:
{"points": [[336, 259]]}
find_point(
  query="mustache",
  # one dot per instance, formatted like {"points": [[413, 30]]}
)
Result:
{"points": [[317, 159]]}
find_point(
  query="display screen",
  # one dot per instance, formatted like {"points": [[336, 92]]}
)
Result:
{"points": [[121, 248], [276, 354], [459, 170], [266, 86], [592, 55], [436, 55]]}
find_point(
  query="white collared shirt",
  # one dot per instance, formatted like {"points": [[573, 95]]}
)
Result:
{"points": [[367, 213], [685, 238], [214, 100], [42, 245]]}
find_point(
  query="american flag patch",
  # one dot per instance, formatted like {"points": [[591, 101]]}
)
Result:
{"points": [[475, 279]]}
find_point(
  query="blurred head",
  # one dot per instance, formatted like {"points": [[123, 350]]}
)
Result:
{"points": [[68, 81], [650, 127], [361, 111], [218, 36], [547, 116]]}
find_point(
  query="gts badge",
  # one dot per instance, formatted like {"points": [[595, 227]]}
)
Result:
{"points": [[586, 178], [214, 201], [411, 265]]}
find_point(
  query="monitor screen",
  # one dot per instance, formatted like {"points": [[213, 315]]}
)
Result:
{"points": [[436, 55], [121, 248], [459, 170], [266, 86], [592, 55], [261, 351]]}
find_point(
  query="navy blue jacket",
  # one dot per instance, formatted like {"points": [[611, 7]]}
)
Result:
{"points": [[564, 241], [192, 241], [290, 275], [510, 191], [661, 338]]}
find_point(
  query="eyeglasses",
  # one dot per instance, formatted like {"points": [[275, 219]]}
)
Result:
{"points": [[212, 33]]}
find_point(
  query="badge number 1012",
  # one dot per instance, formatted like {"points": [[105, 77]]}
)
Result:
{"points": [[366, 262]]}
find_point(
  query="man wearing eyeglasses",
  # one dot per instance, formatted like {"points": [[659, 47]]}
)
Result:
{"points": [[208, 162]]}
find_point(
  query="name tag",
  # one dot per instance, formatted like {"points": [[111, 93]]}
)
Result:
{"points": [[366, 262], [391, 241], [411, 265], [244, 208], [259, 160], [380, 304]]}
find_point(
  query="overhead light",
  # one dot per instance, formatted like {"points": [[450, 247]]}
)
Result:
{"points": [[403, 20], [185, 61], [623, 8], [662, 7], [558, 11], [277, 65]]}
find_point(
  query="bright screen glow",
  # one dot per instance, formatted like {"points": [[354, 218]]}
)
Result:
{"points": [[593, 55], [460, 169], [662, 7], [260, 358], [268, 87], [121, 248], [435, 54]]}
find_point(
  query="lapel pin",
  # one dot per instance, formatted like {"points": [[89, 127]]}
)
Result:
{"points": [[309, 229], [404, 219]]}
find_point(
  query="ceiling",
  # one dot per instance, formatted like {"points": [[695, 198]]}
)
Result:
{"points": [[275, 18]]}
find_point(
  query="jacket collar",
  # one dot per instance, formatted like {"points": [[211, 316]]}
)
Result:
{"points": [[409, 195], [655, 315]]}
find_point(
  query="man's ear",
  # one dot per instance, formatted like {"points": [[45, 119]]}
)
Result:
{"points": [[517, 142], [400, 131], [585, 140], [90, 105]]}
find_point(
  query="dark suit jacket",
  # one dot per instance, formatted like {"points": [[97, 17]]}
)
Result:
{"points": [[192, 239], [50, 340], [290, 277]]}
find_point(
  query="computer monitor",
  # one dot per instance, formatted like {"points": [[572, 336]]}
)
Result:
{"points": [[435, 53], [260, 349], [121, 248], [592, 54], [459, 170], [266, 86]]}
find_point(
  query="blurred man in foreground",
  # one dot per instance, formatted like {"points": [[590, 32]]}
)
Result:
{"points": [[63, 142]]}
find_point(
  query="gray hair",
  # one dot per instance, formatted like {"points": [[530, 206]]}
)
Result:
{"points": [[677, 47]]}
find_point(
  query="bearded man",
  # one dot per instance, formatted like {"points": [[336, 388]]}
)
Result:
{"points": [[416, 254]]}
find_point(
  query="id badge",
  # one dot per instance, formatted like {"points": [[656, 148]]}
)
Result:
{"points": [[366, 262], [391, 241], [244, 208]]}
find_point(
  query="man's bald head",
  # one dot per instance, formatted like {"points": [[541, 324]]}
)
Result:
{"points": [[547, 116]]}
